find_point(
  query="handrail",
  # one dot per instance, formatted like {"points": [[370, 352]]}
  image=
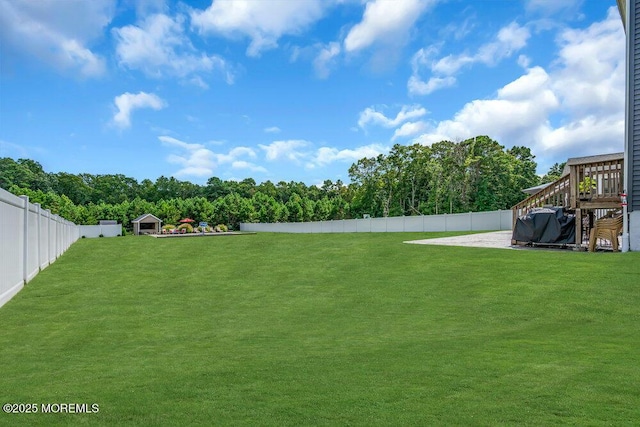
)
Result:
{"points": [[560, 187]]}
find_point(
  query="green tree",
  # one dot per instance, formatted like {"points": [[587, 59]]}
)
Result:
{"points": [[267, 209], [216, 188], [554, 173], [232, 210], [24, 173], [169, 211], [295, 208], [74, 187]]}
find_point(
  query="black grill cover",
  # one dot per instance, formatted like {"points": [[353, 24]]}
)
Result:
{"points": [[545, 225]]}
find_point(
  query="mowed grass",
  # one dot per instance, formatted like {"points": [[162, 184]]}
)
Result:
{"points": [[334, 329]]}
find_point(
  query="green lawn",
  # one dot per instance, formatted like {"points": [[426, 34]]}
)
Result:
{"points": [[333, 329]]}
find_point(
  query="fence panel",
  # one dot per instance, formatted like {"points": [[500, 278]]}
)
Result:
{"points": [[59, 236], [90, 231], [43, 243], [506, 220], [11, 245], [395, 224], [337, 226], [349, 226], [472, 221], [363, 225], [315, 227], [30, 239], [434, 223], [485, 221], [33, 240], [378, 225], [53, 238], [414, 223], [325, 226]]}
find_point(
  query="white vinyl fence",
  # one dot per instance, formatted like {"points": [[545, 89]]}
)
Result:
{"points": [[31, 238], [472, 221], [110, 230]]}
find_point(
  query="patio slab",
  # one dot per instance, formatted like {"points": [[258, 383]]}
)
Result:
{"points": [[494, 239]]}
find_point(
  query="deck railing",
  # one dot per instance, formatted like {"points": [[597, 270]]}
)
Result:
{"points": [[555, 194], [591, 189], [595, 183]]}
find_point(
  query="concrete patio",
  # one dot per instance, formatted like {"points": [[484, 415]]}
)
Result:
{"points": [[494, 239]]}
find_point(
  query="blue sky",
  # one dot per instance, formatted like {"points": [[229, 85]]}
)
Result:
{"points": [[300, 89]]}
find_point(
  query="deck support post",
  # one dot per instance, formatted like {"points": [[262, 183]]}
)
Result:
{"points": [[578, 228]]}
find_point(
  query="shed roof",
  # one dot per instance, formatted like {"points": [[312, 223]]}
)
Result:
{"points": [[145, 216], [534, 190]]}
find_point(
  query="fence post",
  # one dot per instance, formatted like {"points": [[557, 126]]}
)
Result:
{"points": [[25, 237], [38, 209], [57, 236], [48, 239]]}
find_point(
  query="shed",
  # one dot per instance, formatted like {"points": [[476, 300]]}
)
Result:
{"points": [[146, 224]]}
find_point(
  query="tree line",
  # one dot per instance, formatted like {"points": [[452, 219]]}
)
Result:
{"points": [[477, 174]]}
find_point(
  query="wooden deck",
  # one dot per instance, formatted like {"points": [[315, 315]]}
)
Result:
{"points": [[590, 188]]}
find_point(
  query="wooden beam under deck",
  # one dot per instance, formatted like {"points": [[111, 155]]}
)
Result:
{"points": [[600, 204]]}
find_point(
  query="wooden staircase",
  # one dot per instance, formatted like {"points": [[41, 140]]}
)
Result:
{"points": [[591, 189], [555, 194]]}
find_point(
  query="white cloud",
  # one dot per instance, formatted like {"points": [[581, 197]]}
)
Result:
{"points": [[326, 155], [326, 59], [199, 161], [264, 21], [511, 115], [524, 61], [385, 26], [148, 7], [458, 29], [518, 114], [288, 150], [526, 87], [507, 42], [302, 152], [409, 129], [407, 112], [272, 129], [242, 164], [127, 102], [384, 21], [234, 154], [198, 81], [574, 109], [417, 87], [158, 46], [194, 159], [422, 58], [50, 31], [590, 67], [550, 7], [585, 136], [510, 39]]}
